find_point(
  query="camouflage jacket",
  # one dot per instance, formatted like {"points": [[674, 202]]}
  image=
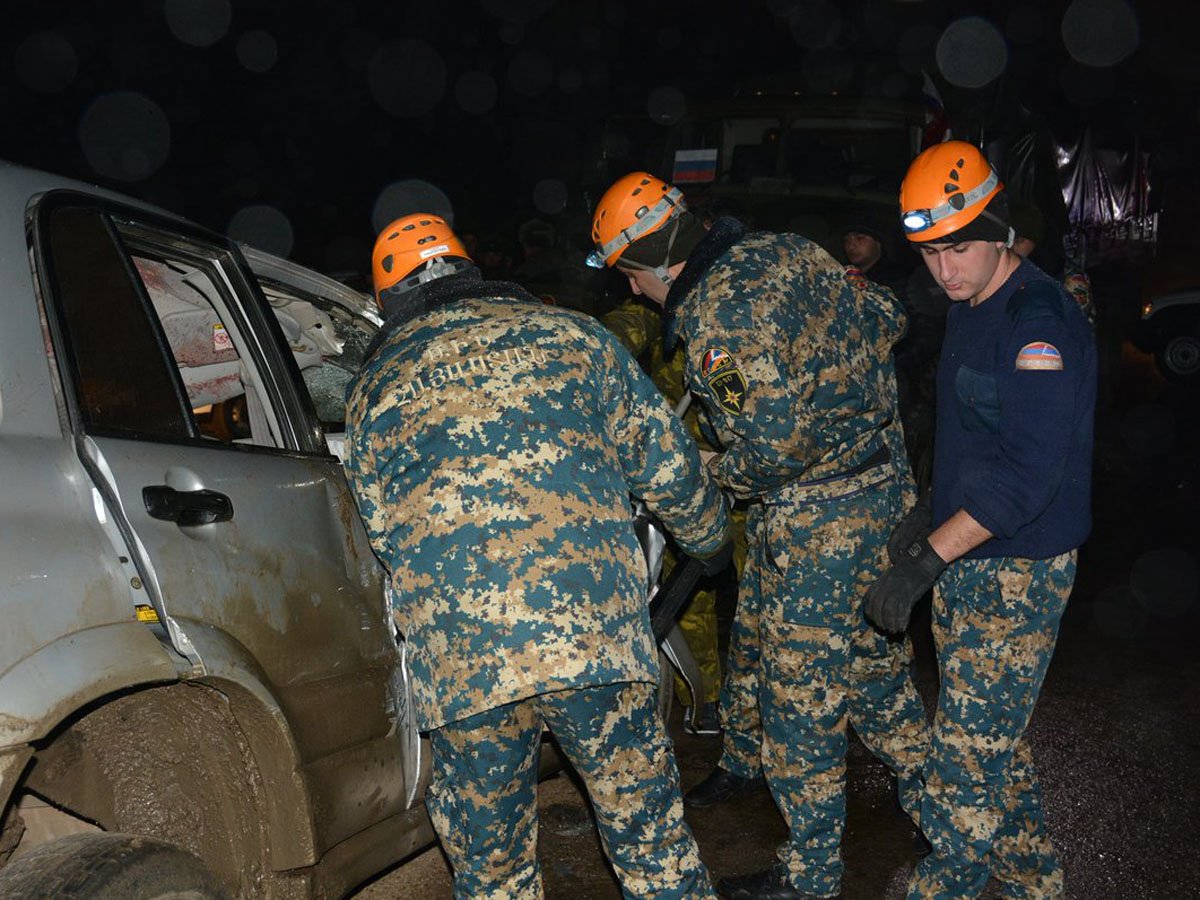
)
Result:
{"points": [[791, 356], [493, 442], [640, 329]]}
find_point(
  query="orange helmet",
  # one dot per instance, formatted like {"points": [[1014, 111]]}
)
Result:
{"points": [[947, 186], [636, 205], [412, 243]]}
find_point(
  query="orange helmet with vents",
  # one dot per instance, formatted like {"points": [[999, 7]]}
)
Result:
{"points": [[636, 205], [947, 186], [422, 244]]}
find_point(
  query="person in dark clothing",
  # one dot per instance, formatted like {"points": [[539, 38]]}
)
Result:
{"points": [[1016, 396], [864, 247]]}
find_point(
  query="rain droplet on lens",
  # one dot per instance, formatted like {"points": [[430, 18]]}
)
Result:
{"points": [[199, 23], [530, 72], [971, 52], [550, 196], [46, 62], [264, 227], [125, 135], [407, 77], [1100, 32], [413, 195], [257, 51], [475, 93], [815, 24]]}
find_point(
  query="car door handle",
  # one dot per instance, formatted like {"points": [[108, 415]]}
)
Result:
{"points": [[201, 507]]}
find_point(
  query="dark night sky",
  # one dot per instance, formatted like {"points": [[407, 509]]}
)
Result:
{"points": [[246, 115]]}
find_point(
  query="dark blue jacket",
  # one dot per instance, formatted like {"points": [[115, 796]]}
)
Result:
{"points": [[1014, 440]]}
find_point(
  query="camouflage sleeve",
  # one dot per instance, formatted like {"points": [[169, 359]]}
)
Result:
{"points": [[1079, 288], [634, 324], [360, 468], [659, 459], [741, 373]]}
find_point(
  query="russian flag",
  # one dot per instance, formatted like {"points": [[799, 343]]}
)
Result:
{"points": [[937, 125], [695, 166]]}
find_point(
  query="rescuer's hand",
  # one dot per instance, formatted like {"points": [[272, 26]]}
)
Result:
{"points": [[916, 525], [890, 600]]}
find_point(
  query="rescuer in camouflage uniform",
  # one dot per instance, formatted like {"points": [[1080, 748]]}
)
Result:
{"points": [[1011, 503], [791, 357], [492, 444], [640, 329]]}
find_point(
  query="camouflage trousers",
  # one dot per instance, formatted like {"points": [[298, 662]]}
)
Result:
{"points": [[699, 621], [823, 666], [995, 625], [483, 796], [741, 748]]}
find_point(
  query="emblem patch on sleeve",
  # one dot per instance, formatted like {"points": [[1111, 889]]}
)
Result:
{"points": [[725, 380], [856, 277], [1040, 356]]}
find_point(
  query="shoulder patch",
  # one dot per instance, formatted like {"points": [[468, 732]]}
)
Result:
{"points": [[715, 359], [728, 385], [856, 277], [1035, 299], [1039, 356]]}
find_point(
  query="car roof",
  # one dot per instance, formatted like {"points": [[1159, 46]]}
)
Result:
{"points": [[19, 184]]}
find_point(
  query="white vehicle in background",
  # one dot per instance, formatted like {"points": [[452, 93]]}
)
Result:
{"points": [[1170, 329]]}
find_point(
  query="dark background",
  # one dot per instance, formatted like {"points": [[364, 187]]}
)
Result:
{"points": [[291, 124], [301, 127]]}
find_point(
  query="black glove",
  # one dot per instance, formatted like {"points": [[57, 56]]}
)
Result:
{"points": [[916, 525], [890, 599], [716, 564]]}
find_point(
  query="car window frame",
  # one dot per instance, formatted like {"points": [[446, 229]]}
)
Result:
{"points": [[264, 343]]}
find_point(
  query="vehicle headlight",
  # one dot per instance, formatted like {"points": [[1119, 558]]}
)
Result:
{"points": [[1147, 308]]}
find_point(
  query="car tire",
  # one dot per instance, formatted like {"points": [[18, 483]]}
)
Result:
{"points": [[109, 867], [1178, 357]]}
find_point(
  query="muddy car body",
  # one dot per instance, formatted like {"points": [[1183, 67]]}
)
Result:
{"points": [[196, 646]]}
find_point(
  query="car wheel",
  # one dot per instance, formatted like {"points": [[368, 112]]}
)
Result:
{"points": [[108, 867], [1179, 357]]}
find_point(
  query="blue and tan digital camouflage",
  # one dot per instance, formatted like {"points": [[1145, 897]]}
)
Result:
{"points": [[640, 329], [791, 356], [493, 443]]}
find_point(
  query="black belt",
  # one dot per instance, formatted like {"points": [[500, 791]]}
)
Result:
{"points": [[878, 458]]}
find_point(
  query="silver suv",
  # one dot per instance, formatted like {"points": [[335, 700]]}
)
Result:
{"points": [[200, 689]]}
